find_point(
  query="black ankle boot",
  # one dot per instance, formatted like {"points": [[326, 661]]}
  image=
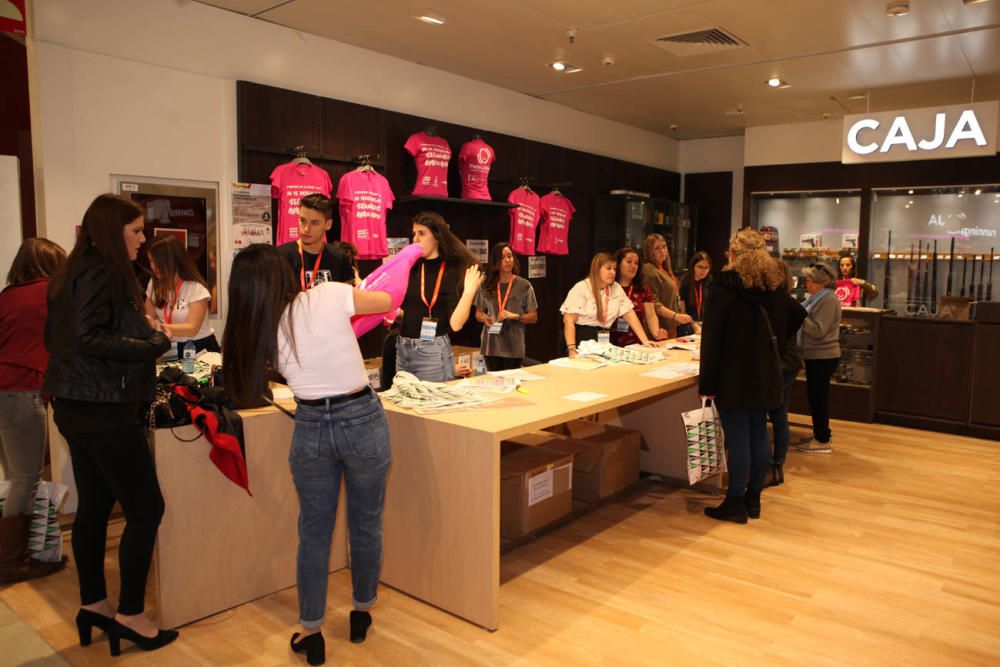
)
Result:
{"points": [[360, 622], [732, 509], [775, 475], [752, 500], [314, 646]]}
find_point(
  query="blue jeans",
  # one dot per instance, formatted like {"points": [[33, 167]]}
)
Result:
{"points": [[22, 447], [748, 449], [779, 420], [349, 439], [429, 360]]}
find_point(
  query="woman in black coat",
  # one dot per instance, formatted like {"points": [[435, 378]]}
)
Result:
{"points": [[102, 377], [745, 329]]}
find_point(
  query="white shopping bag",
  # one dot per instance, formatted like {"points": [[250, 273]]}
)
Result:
{"points": [[706, 450], [45, 542]]}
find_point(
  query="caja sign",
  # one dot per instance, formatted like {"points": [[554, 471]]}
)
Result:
{"points": [[958, 130]]}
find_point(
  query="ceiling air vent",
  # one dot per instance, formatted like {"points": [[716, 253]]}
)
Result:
{"points": [[699, 42]]}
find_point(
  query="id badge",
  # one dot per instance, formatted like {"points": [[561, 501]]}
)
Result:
{"points": [[621, 326], [496, 328], [603, 336], [428, 328]]}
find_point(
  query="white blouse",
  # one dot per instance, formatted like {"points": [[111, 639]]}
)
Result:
{"points": [[191, 292], [580, 302]]}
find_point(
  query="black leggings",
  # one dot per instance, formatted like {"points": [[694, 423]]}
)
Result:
{"points": [[818, 374], [111, 461]]}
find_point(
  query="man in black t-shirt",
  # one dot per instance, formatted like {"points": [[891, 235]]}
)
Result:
{"points": [[313, 260]]}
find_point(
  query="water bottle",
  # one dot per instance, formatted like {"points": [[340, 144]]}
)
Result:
{"points": [[188, 353]]}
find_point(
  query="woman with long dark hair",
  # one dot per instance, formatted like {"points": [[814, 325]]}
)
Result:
{"points": [[696, 288], [628, 274], [177, 296], [504, 305], [659, 277], [851, 289], [746, 329], [593, 305], [438, 301], [101, 376], [340, 427], [23, 359]]}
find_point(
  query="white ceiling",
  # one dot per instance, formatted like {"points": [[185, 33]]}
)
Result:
{"points": [[828, 50]]}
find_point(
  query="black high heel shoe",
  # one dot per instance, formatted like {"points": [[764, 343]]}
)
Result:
{"points": [[87, 620], [117, 632], [314, 646], [360, 622]]}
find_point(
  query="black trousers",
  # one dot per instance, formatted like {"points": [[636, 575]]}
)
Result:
{"points": [[502, 363], [818, 374], [111, 461]]}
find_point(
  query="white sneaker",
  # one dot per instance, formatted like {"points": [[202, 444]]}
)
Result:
{"points": [[802, 441], [813, 446]]}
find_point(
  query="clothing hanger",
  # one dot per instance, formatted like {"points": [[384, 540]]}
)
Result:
{"points": [[524, 183], [301, 156]]}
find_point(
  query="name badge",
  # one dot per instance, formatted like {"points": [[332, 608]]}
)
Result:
{"points": [[428, 328], [603, 336], [621, 326], [496, 328]]}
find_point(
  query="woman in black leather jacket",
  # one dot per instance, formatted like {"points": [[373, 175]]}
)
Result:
{"points": [[101, 375]]}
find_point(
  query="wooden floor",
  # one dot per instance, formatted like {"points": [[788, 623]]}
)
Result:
{"points": [[885, 552]]}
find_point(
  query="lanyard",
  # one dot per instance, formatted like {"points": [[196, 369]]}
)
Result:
{"points": [[437, 288], [302, 268], [607, 302], [630, 288], [697, 300], [502, 303], [168, 315]]}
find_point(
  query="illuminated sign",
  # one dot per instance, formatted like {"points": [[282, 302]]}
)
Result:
{"points": [[959, 130]]}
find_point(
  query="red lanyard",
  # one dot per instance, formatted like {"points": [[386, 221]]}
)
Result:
{"points": [[302, 268], [607, 301], [437, 288], [630, 288], [503, 303], [168, 315], [697, 300]]}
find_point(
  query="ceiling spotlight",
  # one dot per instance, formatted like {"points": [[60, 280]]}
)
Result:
{"points": [[432, 19], [558, 66], [898, 8], [565, 67], [774, 82]]}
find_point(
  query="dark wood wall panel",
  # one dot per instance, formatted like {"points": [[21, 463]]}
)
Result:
{"points": [[272, 121], [925, 368], [712, 195]]}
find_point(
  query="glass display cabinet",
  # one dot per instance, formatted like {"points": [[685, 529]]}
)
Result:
{"points": [[625, 219]]}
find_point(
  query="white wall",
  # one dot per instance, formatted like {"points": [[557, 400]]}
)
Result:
{"points": [[721, 154], [10, 215], [795, 143]]}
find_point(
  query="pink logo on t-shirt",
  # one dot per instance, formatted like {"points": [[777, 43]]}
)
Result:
{"points": [[523, 220], [432, 155], [848, 293], [290, 182], [365, 197], [474, 162], [556, 211]]}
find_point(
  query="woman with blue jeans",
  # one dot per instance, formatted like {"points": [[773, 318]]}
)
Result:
{"points": [[340, 428], [439, 297], [23, 359], [742, 335]]}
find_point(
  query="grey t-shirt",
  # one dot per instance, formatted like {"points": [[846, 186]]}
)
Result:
{"points": [[510, 341]]}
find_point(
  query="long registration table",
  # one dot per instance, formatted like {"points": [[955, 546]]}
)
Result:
{"points": [[442, 514]]}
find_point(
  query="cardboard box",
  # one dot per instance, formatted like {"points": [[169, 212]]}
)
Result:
{"points": [[374, 369], [609, 464], [535, 489]]}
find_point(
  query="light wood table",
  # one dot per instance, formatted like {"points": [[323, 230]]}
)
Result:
{"points": [[442, 513]]}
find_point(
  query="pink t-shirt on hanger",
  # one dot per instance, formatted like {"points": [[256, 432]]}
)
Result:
{"points": [[290, 182], [557, 211], [365, 197], [474, 163], [432, 155], [523, 220]]}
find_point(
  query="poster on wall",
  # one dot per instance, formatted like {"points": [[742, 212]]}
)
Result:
{"points": [[480, 248], [536, 266], [12, 15], [850, 242], [251, 215], [181, 234], [810, 241], [395, 244]]}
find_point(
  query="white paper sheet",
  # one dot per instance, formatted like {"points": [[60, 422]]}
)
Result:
{"points": [[518, 374], [540, 487], [673, 371], [584, 396]]}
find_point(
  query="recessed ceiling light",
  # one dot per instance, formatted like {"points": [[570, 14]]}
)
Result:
{"points": [[898, 8], [774, 82], [433, 19], [564, 67]]}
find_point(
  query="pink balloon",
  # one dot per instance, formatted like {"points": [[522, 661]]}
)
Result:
{"points": [[391, 277]]}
